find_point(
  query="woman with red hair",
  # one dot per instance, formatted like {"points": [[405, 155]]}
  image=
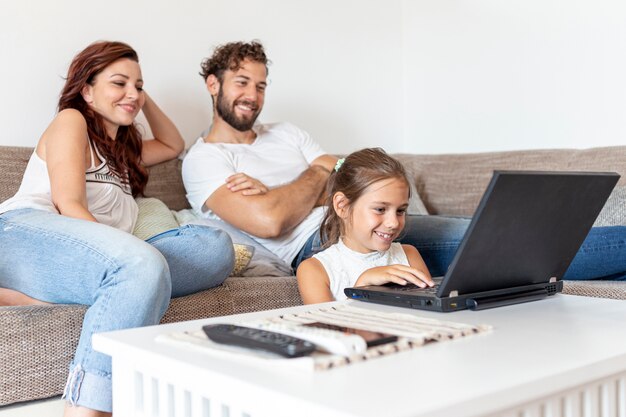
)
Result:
{"points": [[65, 235]]}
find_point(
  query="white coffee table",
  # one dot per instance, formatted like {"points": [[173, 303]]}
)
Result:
{"points": [[562, 356]]}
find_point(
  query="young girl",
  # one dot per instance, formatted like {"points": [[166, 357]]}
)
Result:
{"points": [[65, 236], [368, 194]]}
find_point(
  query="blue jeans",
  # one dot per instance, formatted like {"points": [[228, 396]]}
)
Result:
{"points": [[125, 282], [601, 256]]}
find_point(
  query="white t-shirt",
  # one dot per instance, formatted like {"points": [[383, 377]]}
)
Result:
{"points": [[279, 154], [344, 266]]}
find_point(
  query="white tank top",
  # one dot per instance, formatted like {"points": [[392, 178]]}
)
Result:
{"points": [[109, 200], [344, 266]]}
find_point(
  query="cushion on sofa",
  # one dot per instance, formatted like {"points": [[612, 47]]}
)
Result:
{"points": [[155, 217], [614, 211], [263, 263], [416, 205]]}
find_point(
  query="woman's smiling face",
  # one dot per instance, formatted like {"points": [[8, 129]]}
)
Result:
{"points": [[116, 93]]}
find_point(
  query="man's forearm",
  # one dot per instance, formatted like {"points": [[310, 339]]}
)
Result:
{"points": [[288, 205], [275, 212]]}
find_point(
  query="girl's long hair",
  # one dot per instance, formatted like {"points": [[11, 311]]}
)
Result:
{"points": [[358, 171], [123, 155]]}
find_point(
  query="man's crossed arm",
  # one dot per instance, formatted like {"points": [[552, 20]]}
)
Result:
{"points": [[248, 205]]}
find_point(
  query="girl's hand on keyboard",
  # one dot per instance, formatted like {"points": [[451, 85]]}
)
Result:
{"points": [[399, 274]]}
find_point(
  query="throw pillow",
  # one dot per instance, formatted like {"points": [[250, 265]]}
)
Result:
{"points": [[154, 217], [614, 211], [243, 256], [416, 205], [263, 263]]}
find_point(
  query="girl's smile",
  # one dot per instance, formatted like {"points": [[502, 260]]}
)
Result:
{"points": [[376, 218]]}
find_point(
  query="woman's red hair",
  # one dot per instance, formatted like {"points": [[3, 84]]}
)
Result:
{"points": [[123, 155]]}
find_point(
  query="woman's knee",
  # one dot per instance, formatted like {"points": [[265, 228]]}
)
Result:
{"points": [[219, 245], [199, 258], [146, 271], [204, 244]]}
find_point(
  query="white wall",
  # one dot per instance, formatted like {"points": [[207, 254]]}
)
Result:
{"points": [[493, 74], [426, 76], [324, 77]]}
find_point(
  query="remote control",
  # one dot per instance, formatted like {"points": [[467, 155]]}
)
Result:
{"points": [[248, 337], [331, 341]]}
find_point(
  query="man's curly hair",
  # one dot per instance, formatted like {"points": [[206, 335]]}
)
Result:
{"points": [[229, 57]]}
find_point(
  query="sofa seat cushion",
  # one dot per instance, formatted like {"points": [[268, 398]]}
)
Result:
{"points": [[596, 288]]}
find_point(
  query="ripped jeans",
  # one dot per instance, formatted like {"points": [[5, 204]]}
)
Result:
{"points": [[125, 281]]}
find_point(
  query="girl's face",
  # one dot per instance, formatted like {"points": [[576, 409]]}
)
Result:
{"points": [[376, 218], [116, 94]]}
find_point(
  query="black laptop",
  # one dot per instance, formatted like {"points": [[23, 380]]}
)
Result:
{"points": [[522, 238]]}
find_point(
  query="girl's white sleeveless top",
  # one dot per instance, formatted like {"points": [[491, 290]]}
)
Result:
{"points": [[344, 266], [109, 200]]}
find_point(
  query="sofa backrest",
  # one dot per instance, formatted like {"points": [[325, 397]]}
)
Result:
{"points": [[448, 184], [454, 183], [165, 179], [13, 161]]}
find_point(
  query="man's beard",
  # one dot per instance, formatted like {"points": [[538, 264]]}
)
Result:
{"points": [[227, 113]]}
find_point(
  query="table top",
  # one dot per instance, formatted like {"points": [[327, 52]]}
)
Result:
{"points": [[535, 349]]}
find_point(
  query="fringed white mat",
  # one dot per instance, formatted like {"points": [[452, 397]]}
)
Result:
{"points": [[412, 332]]}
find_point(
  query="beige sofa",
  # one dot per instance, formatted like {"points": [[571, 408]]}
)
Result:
{"points": [[37, 342]]}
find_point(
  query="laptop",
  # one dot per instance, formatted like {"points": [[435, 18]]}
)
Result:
{"points": [[522, 238]]}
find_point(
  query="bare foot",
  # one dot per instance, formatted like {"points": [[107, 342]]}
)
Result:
{"points": [[15, 298]]}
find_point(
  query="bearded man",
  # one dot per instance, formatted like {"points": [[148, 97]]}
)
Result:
{"points": [[268, 180]]}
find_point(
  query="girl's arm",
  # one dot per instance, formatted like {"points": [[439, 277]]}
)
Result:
{"points": [[64, 147], [167, 143], [415, 260], [313, 282]]}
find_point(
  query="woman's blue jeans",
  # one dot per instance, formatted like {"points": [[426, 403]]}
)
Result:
{"points": [[125, 281], [437, 238]]}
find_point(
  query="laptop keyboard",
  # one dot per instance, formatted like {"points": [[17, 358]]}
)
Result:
{"points": [[413, 288]]}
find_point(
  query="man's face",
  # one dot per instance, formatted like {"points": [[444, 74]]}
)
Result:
{"points": [[242, 94]]}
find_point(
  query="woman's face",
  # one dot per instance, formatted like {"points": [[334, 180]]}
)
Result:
{"points": [[116, 93]]}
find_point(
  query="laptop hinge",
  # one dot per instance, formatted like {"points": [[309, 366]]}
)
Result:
{"points": [[553, 280], [454, 293]]}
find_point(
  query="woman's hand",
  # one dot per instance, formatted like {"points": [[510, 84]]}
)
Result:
{"points": [[167, 143], [399, 274], [246, 184]]}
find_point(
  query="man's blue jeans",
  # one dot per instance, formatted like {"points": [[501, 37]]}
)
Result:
{"points": [[125, 281], [437, 238]]}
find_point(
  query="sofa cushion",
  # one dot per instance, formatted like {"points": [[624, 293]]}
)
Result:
{"points": [[13, 161], [154, 217], [614, 211], [166, 184], [453, 184], [243, 256], [263, 262], [416, 205]]}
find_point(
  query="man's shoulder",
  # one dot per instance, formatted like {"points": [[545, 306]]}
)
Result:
{"points": [[280, 129], [201, 150]]}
